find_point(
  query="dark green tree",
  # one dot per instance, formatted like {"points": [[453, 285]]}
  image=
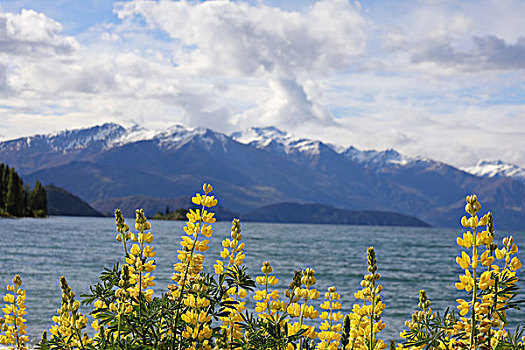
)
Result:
{"points": [[3, 184], [38, 201], [14, 201]]}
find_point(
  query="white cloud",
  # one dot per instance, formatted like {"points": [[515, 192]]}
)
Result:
{"points": [[451, 37], [223, 37], [432, 81], [487, 53], [32, 33], [285, 49]]}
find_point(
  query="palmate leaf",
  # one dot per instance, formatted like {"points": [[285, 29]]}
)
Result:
{"points": [[266, 333], [104, 290], [513, 341], [236, 276], [432, 332]]}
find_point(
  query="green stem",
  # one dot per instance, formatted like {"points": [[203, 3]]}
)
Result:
{"points": [[15, 317], [302, 317], [266, 295], [372, 345], [123, 235], [119, 321], [494, 305], [474, 294], [77, 331], [79, 335], [140, 277], [330, 315]]}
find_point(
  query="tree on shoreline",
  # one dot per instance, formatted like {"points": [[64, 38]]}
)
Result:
{"points": [[38, 201], [15, 200]]}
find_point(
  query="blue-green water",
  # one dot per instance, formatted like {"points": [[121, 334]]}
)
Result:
{"points": [[409, 259]]}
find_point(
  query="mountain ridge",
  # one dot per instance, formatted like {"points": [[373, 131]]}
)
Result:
{"points": [[325, 214], [269, 166], [496, 168]]}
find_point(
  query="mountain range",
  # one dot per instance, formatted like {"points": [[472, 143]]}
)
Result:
{"points": [[260, 167]]}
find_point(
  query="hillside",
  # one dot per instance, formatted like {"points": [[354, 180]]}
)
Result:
{"points": [[324, 214], [61, 202], [257, 167]]}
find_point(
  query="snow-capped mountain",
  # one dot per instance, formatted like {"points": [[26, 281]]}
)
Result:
{"points": [[132, 134], [252, 168], [383, 160], [104, 136], [68, 140], [177, 136], [31, 153], [271, 138], [496, 168]]}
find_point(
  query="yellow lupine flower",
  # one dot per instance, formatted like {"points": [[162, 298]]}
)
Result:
{"points": [[210, 201], [485, 259], [207, 217], [13, 323], [197, 199], [218, 267], [149, 252], [206, 230], [194, 216], [466, 241], [500, 253], [272, 280], [515, 264], [207, 188], [484, 238], [294, 310], [135, 249], [466, 281], [9, 298], [239, 258], [190, 228], [202, 246], [485, 280], [464, 261]]}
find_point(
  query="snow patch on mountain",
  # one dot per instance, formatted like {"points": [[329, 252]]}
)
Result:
{"points": [[389, 158], [271, 138], [496, 168], [177, 136], [277, 140], [109, 135], [71, 140], [133, 134], [67, 141]]}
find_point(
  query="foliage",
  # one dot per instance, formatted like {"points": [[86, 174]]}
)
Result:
{"points": [[208, 311], [15, 200], [489, 279], [178, 214]]}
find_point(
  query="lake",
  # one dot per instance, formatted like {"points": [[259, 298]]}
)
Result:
{"points": [[409, 259]]}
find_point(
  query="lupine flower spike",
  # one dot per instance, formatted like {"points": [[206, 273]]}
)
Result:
{"points": [[13, 323]]}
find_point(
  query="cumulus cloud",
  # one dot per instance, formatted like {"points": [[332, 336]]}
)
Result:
{"points": [[278, 46], [415, 76], [256, 39], [32, 33], [448, 37]]}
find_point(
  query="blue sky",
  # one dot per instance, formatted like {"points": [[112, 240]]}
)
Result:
{"points": [[438, 78]]}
